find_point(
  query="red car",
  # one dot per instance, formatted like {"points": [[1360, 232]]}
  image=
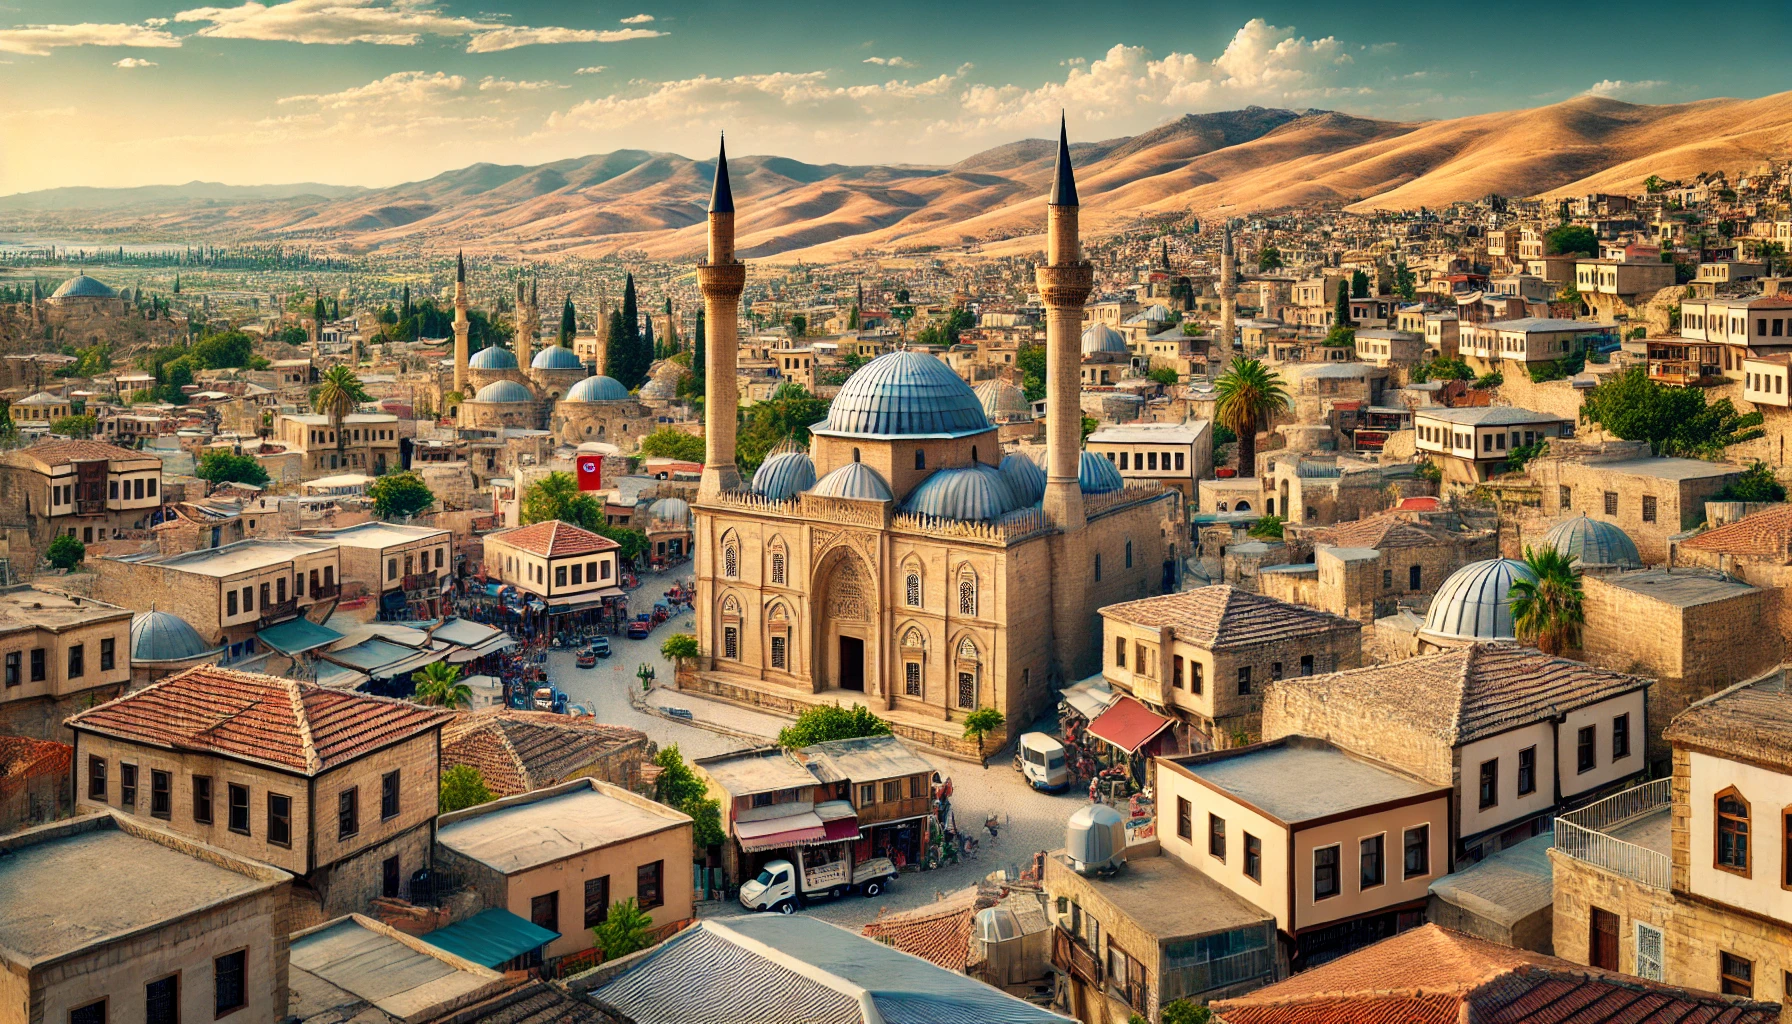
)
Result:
{"points": [[639, 630]]}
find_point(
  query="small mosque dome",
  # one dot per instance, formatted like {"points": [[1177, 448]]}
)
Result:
{"points": [[1594, 544], [161, 636], [503, 391], [556, 357], [904, 394], [1099, 338], [660, 389], [492, 357], [1025, 478], [1475, 603], [853, 480], [1004, 401], [1096, 475], [594, 389], [670, 510], [83, 287], [964, 492], [785, 475]]}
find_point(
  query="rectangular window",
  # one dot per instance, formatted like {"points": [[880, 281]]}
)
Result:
{"points": [[1738, 974], [77, 661], [96, 778], [1325, 873], [1119, 652], [265, 588], [348, 812], [1649, 959], [1195, 677], [1216, 836], [389, 796], [15, 664], [239, 808], [1185, 820], [1418, 851], [1253, 858], [1611, 503], [1620, 737], [230, 989], [280, 589], [597, 901], [1387, 579], [1372, 865], [1490, 783], [161, 794], [1275, 670], [1732, 832], [1648, 508], [1244, 680], [1138, 658], [1527, 771], [202, 799], [248, 599], [1565, 495], [892, 791], [1179, 461], [279, 820], [38, 662], [230, 603], [127, 784], [649, 887], [161, 1001], [108, 654], [544, 911], [1586, 748], [559, 575], [1176, 671], [606, 569], [911, 671], [92, 1013], [867, 794]]}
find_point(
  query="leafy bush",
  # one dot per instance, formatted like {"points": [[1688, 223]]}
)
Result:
{"points": [[1557, 369], [1441, 368], [219, 466], [1223, 434], [1675, 421], [1489, 380], [1268, 527], [824, 722], [1757, 483], [400, 494], [679, 787], [666, 443], [1524, 453], [462, 787], [1164, 375], [626, 929], [65, 552], [1429, 470]]}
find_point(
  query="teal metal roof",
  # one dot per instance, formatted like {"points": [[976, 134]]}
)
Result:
{"points": [[1594, 544], [853, 480], [1475, 603], [1096, 475], [904, 394], [1099, 337], [977, 492], [1025, 477], [595, 389], [161, 636], [83, 287], [491, 937], [296, 636], [492, 358], [556, 357], [785, 475], [503, 391]]}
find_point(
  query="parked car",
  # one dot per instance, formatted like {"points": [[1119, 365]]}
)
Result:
{"points": [[683, 713], [639, 630], [1040, 758], [781, 886], [586, 658], [601, 647]]}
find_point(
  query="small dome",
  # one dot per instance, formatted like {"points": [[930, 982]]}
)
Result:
{"points": [[1096, 475], [556, 357], [994, 925], [853, 480], [1025, 478], [785, 475], [1102, 338], [1003, 401], [964, 492], [83, 287], [1594, 544], [594, 389], [670, 510], [161, 636], [1475, 603], [503, 391], [660, 389], [492, 357], [1156, 314], [905, 394]]}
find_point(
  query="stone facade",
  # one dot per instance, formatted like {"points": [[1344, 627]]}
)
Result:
{"points": [[1618, 482]]}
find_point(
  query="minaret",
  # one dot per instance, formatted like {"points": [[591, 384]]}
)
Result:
{"points": [[528, 325], [722, 278], [1065, 282], [460, 325], [1228, 292]]}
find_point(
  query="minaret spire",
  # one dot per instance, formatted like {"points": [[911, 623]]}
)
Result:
{"points": [[1228, 289], [721, 195], [460, 324], [1064, 178], [721, 278]]}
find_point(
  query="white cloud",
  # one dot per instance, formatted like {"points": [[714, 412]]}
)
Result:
{"points": [[39, 40], [155, 22], [509, 38], [491, 83], [405, 88], [395, 23], [637, 19], [134, 62], [595, 69], [1612, 88], [892, 62]]}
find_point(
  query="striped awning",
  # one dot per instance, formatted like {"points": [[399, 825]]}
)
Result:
{"points": [[788, 830]]}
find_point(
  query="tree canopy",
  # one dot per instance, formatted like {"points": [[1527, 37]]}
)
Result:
{"points": [[557, 496], [1249, 393], [1570, 240], [75, 426], [400, 494], [1757, 483], [219, 466], [1269, 258], [1675, 421], [462, 787], [787, 414], [679, 787], [667, 443], [822, 722], [65, 552]]}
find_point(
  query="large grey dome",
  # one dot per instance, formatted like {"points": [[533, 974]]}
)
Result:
{"points": [[83, 287], [1003, 401], [556, 357], [1594, 544], [853, 480], [161, 636], [492, 357], [1099, 338], [671, 510], [904, 394], [784, 476], [597, 389], [1025, 477], [970, 492], [1096, 475], [1475, 603], [503, 391]]}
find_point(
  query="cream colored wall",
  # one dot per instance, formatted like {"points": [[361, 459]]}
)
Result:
{"points": [[605, 567], [1605, 771], [417, 762], [1769, 796], [1271, 893], [56, 682], [567, 877], [253, 580], [1511, 807], [1353, 900]]}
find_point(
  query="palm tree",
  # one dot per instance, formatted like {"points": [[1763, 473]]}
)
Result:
{"points": [[1249, 394], [338, 393], [1548, 612], [438, 684]]}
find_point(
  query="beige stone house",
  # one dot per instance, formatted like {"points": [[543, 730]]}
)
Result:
{"points": [[105, 918], [1513, 734], [59, 653], [1650, 499], [88, 490], [365, 441], [1366, 569], [400, 567], [1174, 454], [337, 788], [1742, 327], [519, 751], [564, 565], [1471, 444], [1516, 345], [1756, 549]]}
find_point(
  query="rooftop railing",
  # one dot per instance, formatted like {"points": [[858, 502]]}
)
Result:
{"points": [[1589, 834]]}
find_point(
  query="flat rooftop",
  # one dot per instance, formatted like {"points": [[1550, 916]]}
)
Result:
{"points": [[1508, 886], [377, 535], [1169, 899], [242, 556], [27, 607], [403, 977], [1667, 468], [756, 771], [1683, 588], [1280, 779], [519, 833]]}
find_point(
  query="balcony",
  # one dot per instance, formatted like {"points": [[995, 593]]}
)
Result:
{"points": [[1075, 959], [412, 582], [90, 506], [278, 611], [323, 593], [1626, 834]]}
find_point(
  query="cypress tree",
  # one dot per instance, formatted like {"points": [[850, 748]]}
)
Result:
{"points": [[1341, 311], [177, 284], [568, 325], [649, 346], [615, 354], [405, 310], [697, 355]]}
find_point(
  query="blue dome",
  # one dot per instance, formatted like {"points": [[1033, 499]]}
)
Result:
{"points": [[785, 475], [556, 357], [1096, 475], [160, 636], [1102, 338], [83, 287], [853, 480], [492, 357], [1594, 544], [964, 492], [905, 394], [595, 389], [671, 510], [1025, 478], [503, 391], [1475, 603]]}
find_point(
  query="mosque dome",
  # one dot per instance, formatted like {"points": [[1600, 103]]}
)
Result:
{"points": [[161, 636], [670, 510], [853, 480], [492, 357], [1003, 401], [785, 475], [1025, 478], [904, 394], [503, 391], [1594, 544], [1475, 603], [658, 389], [556, 357], [976, 491], [1096, 475], [593, 389], [83, 287], [1156, 314], [1099, 338]]}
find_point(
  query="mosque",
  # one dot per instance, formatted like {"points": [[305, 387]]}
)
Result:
{"points": [[904, 561]]}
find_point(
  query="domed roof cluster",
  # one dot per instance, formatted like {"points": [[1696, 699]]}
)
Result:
{"points": [[83, 287], [556, 357], [492, 357], [853, 480], [670, 510], [161, 636], [1099, 338], [1475, 603], [1025, 477], [904, 394], [1594, 544], [1096, 475], [595, 389], [977, 491], [784, 475], [1003, 401], [503, 391]]}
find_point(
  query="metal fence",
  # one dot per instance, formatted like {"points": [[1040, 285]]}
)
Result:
{"points": [[1191, 980], [1585, 834]]}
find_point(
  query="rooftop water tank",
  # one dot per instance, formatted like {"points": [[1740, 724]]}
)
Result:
{"points": [[1095, 840]]}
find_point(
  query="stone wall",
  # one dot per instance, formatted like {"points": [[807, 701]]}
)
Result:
{"points": [[1291, 709], [1580, 886]]}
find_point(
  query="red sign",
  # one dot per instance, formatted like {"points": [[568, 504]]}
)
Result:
{"points": [[591, 473]]}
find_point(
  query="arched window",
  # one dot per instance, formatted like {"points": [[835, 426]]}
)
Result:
{"points": [[778, 625], [730, 561], [1732, 831], [967, 671], [1129, 554], [730, 629], [778, 568], [911, 589], [855, 455], [913, 653], [967, 594], [973, 453]]}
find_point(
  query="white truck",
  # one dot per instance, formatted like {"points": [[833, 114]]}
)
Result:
{"points": [[783, 886]]}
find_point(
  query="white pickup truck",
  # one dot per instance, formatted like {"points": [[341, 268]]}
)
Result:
{"points": [[777, 887]]}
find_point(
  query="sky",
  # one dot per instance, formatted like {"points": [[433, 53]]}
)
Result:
{"points": [[377, 92]]}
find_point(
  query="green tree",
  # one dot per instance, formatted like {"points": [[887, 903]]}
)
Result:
{"points": [[1090, 426], [462, 786], [65, 552], [764, 425], [1341, 307], [1547, 611], [1654, 183], [822, 722], [337, 394], [1269, 258], [1773, 254], [219, 466], [400, 494], [1405, 283], [1164, 375], [1184, 1012], [1249, 393], [980, 723], [569, 324], [1570, 240], [799, 325], [1359, 284], [626, 929], [679, 647], [1756, 483], [75, 426], [1030, 361], [679, 787], [668, 443], [292, 335], [439, 684], [1675, 421], [223, 350], [1267, 527]]}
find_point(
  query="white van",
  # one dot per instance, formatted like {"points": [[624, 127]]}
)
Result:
{"points": [[1040, 758], [784, 887]]}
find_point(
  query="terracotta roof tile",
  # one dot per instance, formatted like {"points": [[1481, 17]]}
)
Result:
{"points": [[1768, 533], [1752, 718], [555, 539], [939, 932], [519, 751], [1385, 532], [56, 453], [297, 726], [1221, 617]]}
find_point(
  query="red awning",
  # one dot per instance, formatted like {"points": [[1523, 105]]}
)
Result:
{"points": [[1417, 505], [772, 833], [1128, 724], [841, 828]]}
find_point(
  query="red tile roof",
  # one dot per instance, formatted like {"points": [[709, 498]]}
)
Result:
{"points": [[24, 758], [1222, 617], [1767, 532], [291, 725], [939, 932], [56, 453], [555, 539], [519, 751]]}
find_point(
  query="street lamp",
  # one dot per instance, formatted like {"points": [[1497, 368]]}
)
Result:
{"points": [[646, 674]]}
